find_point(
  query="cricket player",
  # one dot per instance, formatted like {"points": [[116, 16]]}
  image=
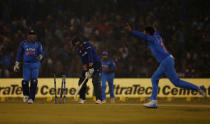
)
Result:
{"points": [[91, 68], [166, 60], [108, 68], [31, 53]]}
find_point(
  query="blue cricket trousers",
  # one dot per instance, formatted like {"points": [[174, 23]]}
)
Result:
{"points": [[167, 67], [31, 71], [107, 78]]}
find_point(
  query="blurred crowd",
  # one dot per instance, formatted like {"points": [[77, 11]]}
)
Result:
{"points": [[183, 24]]}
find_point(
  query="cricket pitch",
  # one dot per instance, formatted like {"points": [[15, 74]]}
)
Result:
{"points": [[20, 113]]}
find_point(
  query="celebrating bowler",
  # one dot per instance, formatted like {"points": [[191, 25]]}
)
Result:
{"points": [[166, 60]]}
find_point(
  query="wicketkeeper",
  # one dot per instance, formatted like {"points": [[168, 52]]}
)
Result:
{"points": [[31, 53]]}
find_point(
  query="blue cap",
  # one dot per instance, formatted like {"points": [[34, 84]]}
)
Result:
{"points": [[105, 53]]}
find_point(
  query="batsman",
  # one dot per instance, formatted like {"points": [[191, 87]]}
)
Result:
{"points": [[30, 52], [91, 68]]}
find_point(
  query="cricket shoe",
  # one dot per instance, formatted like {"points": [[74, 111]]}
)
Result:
{"points": [[25, 98], [202, 91], [30, 101], [98, 101], [151, 104], [81, 101]]}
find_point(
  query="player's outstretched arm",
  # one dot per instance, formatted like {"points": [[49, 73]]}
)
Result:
{"points": [[138, 34]]}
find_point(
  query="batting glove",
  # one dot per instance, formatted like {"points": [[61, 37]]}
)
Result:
{"points": [[89, 73], [16, 67]]}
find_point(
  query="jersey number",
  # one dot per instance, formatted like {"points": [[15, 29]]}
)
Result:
{"points": [[161, 43]]}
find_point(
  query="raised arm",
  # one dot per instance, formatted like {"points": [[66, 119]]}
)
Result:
{"points": [[138, 34]]}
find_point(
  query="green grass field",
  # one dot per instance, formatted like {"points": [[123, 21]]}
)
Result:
{"points": [[19, 113]]}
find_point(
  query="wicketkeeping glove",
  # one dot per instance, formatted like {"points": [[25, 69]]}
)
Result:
{"points": [[16, 67], [39, 57], [89, 73]]}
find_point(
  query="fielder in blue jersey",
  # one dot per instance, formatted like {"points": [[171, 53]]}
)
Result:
{"points": [[166, 60], [108, 68], [30, 52], [91, 68]]}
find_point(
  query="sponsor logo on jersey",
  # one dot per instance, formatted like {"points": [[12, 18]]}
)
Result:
{"points": [[30, 51]]}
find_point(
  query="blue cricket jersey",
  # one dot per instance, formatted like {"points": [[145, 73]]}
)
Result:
{"points": [[28, 51], [88, 54], [155, 43], [110, 64]]}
